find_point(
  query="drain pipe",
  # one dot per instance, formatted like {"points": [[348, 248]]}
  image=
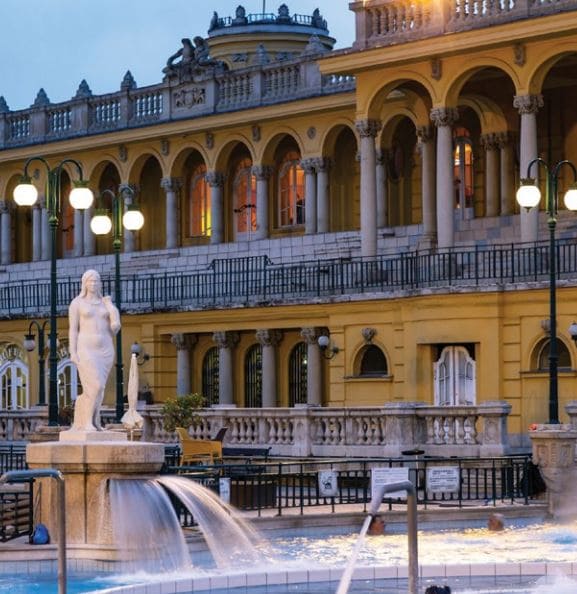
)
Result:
{"points": [[411, 524], [18, 476]]}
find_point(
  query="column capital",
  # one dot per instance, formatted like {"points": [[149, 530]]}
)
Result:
{"points": [[171, 184], [226, 340], [528, 103], [504, 139], [183, 342], [310, 335], [6, 206], [128, 190], [322, 164], [268, 337], [368, 128], [262, 172], [308, 165], [425, 134], [490, 142], [214, 179], [444, 116]]}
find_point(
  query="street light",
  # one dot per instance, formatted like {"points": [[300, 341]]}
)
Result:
{"points": [[101, 224], [81, 197], [528, 196], [30, 345], [327, 347]]}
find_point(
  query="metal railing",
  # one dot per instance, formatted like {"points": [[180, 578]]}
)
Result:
{"points": [[258, 280], [12, 457], [257, 485]]}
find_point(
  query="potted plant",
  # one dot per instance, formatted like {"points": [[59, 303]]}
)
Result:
{"points": [[182, 411]]}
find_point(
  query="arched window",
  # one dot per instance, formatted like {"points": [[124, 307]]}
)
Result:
{"points": [[69, 385], [297, 376], [244, 199], [210, 375], [540, 359], [291, 198], [455, 377], [13, 378], [253, 377], [463, 174], [373, 362], [67, 241], [198, 206]]}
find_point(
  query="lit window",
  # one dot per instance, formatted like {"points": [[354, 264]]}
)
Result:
{"points": [[291, 191], [198, 207], [244, 198]]}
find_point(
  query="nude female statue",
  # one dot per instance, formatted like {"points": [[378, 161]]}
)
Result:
{"points": [[93, 323]]}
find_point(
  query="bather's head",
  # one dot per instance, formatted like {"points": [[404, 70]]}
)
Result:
{"points": [[91, 283]]}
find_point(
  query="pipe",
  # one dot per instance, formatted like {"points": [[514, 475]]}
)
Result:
{"points": [[411, 524], [17, 476]]}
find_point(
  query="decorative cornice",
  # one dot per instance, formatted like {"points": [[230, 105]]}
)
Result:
{"points": [[528, 103], [444, 116], [269, 338], [368, 128]]}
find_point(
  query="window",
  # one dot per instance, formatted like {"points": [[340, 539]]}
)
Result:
{"points": [[454, 374], [69, 386], [244, 199], [297, 375], [198, 205], [373, 362], [291, 191], [541, 356], [463, 169], [253, 377], [14, 378], [210, 376]]}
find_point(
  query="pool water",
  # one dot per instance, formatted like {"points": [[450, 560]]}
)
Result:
{"points": [[48, 584]]}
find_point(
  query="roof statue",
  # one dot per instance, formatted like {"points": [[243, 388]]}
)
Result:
{"points": [[194, 60], [240, 16]]}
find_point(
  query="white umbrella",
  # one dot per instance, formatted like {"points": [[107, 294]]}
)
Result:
{"points": [[132, 419]]}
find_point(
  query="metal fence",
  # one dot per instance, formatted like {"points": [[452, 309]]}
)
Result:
{"points": [[12, 457], [257, 486], [258, 280]]}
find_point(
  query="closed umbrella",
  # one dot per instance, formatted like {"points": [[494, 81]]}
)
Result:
{"points": [[132, 419]]}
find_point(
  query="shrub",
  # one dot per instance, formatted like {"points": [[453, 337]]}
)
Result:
{"points": [[182, 411]]}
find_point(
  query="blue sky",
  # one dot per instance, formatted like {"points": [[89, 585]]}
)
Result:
{"points": [[54, 44]]}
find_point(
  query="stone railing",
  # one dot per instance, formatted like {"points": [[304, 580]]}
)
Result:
{"points": [[384, 22], [242, 89]]}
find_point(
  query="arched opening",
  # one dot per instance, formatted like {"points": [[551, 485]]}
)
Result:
{"points": [[210, 376], [196, 219], [297, 375], [13, 378], [345, 183], [152, 203], [372, 362], [253, 377]]}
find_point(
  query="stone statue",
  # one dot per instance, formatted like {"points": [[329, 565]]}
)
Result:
{"points": [[186, 53], [240, 18], [214, 21], [93, 323], [194, 60]]}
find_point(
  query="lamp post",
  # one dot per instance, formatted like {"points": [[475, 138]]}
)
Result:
{"points": [[30, 345], [81, 197], [101, 224], [528, 196]]}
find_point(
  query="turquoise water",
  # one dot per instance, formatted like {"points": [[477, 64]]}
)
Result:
{"points": [[48, 584]]}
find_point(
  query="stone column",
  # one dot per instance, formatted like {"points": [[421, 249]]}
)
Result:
{"points": [[426, 142], [323, 212], [171, 187], [5, 233], [268, 340], [262, 174], [382, 187], [494, 439], [554, 453], [183, 344], [225, 341], [89, 240], [492, 178], [128, 241], [216, 182], [444, 118], [528, 105], [368, 130], [314, 369], [79, 233], [308, 166], [40, 231], [507, 176]]}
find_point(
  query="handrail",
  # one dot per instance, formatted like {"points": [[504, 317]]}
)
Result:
{"points": [[16, 476]]}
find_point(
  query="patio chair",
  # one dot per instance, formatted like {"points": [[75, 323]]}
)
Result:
{"points": [[197, 451]]}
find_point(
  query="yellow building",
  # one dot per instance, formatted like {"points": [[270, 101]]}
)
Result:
{"points": [[292, 191]]}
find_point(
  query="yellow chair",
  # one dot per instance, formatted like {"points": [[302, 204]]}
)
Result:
{"points": [[197, 451]]}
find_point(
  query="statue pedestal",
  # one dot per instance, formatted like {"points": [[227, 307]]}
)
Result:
{"points": [[87, 465], [554, 453], [91, 436]]}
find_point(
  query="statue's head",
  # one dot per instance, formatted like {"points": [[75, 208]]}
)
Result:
{"points": [[91, 276]]}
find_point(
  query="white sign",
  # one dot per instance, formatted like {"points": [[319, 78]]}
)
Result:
{"points": [[443, 479], [386, 476], [328, 483], [224, 489]]}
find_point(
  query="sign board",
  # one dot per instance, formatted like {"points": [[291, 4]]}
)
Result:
{"points": [[328, 483], [224, 489], [443, 479], [386, 476]]}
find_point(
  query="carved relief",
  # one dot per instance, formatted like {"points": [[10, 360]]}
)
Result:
{"points": [[186, 98], [519, 54], [436, 68]]}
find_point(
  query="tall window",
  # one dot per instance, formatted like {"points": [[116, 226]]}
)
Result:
{"points": [[455, 377], [463, 175], [244, 199], [210, 376], [198, 207], [69, 385], [297, 375], [67, 245], [13, 378], [291, 191], [253, 377]]}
